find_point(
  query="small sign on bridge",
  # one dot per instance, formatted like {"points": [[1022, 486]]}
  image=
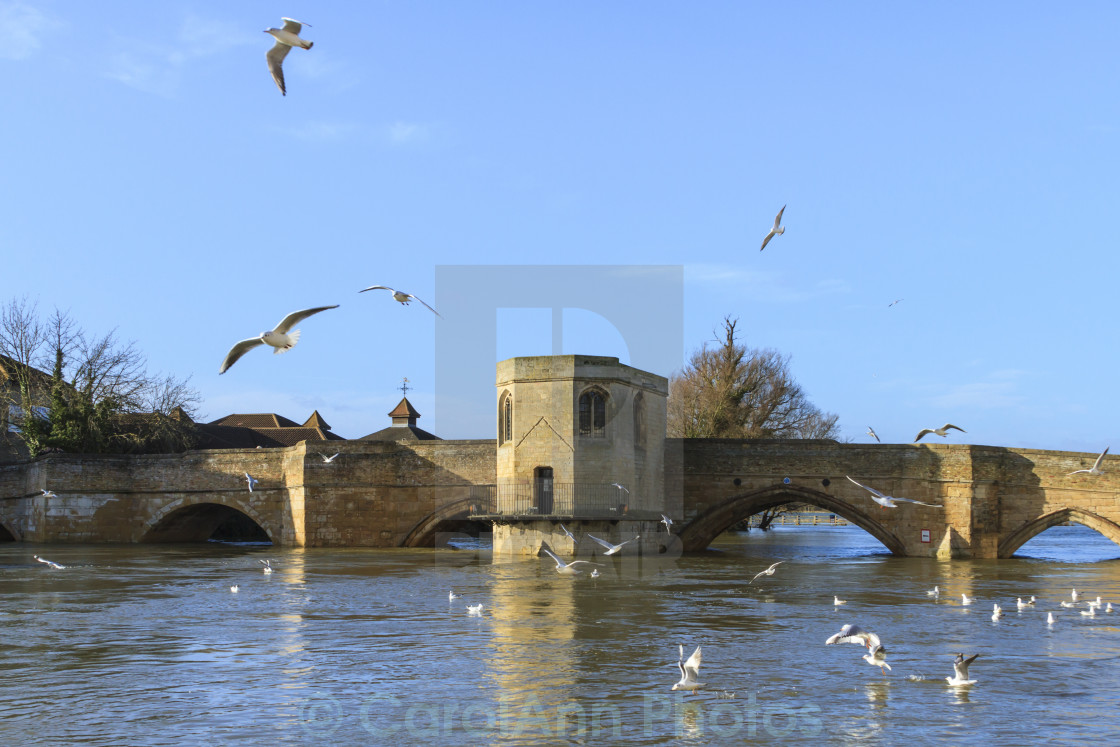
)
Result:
{"points": [[925, 536]]}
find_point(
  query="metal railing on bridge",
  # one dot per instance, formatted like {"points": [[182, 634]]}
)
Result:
{"points": [[566, 500]]}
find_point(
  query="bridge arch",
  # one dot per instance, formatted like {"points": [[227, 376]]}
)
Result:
{"points": [[197, 519], [1012, 542], [6, 535], [702, 530], [424, 533]]}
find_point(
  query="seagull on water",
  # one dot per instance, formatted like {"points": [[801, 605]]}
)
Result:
{"points": [[942, 431], [965, 601], [997, 612], [690, 671], [278, 338], [878, 658], [235, 588], [1019, 603], [286, 38], [768, 572], [960, 671], [668, 523], [51, 563], [267, 566], [1095, 469], [871, 432], [1049, 618], [452, 595], [887, 501], [612, 548], [1091, 612], [562, 567], [401, 297], [251, 481], [474, 609], [49, 493], [854, 634], [328, 459], [1073, 595], [837, 601], [776, 230], [934, 592], [595, 573], [1067, 605]]}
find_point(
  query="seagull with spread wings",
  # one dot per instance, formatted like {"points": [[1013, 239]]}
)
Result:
{"points": [[401, 297], [888, 501], [871, 432], [943, 431], [611, 547], [960, 671], [768, 572], [562, 567], [51, 563], [776, 230], [279, 338], [854, 634], [329, 459], [1095, 469], [690, 671], [286, 38]]}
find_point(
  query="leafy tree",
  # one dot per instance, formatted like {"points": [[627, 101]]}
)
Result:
{"points": [[731, 391]]}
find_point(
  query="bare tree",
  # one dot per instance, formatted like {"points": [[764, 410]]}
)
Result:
{"points": [[731, 391]]}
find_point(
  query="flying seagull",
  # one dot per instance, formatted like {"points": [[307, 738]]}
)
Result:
{"points": [[892, 303], [768, 572], [877, 658], [613, 548], [49, 493], [328, 459], [942, 431], [286, 38], [277, 338], [267, 566], [562, 567], [888, 501], [960, 671], [776, 230], [623, 488], [1095, 469], [854, 634], [251, 481], [568, 533], [871, 432], [690, 671], [401, 296], [668, 523], [51, 563]]}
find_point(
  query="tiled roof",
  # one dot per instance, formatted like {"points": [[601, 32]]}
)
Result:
{"points": [[257, 420], [401, 433], [316, 421], [404, 409], [267, 430]]}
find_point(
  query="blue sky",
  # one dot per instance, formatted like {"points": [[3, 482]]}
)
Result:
{"points": [[961, 157]]}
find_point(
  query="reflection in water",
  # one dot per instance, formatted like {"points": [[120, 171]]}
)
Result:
{"points": [[144, 645]]}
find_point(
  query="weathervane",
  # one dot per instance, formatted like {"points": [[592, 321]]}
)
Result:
{"points": [[404, 386]]}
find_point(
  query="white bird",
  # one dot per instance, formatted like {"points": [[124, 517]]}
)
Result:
{"points": [[278, 338], [623, 488], [960, 671], [668, 523], [854, 634], [565, 530], [474, 609], [942, 431], [235, 588], [1091, 612], [871, 432], [267, 566], [595, 573], [286, 38], [1095, 469], [1020, 603], [51, 563], [690, 671], [452, 595], [1067, 605], [934, 592], [49, 493], [997, 612], [328, 459], [562, 567], [401, 297], [1073, 595], [965, 600], [1097, 604], [777, 230], [887, 501], [768, 572], [612, 548], [877, 658], [251, 481], [1108, 607], [1049, 618], [837, 601]]}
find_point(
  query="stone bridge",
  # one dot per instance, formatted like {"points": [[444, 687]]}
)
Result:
{"points": [[380, 494]]}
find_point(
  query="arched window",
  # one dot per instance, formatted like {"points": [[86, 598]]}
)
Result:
{"points": [[593, 414], [505, 418]]}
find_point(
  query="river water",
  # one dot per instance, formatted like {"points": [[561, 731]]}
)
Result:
{"points": [[147, 645]]}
